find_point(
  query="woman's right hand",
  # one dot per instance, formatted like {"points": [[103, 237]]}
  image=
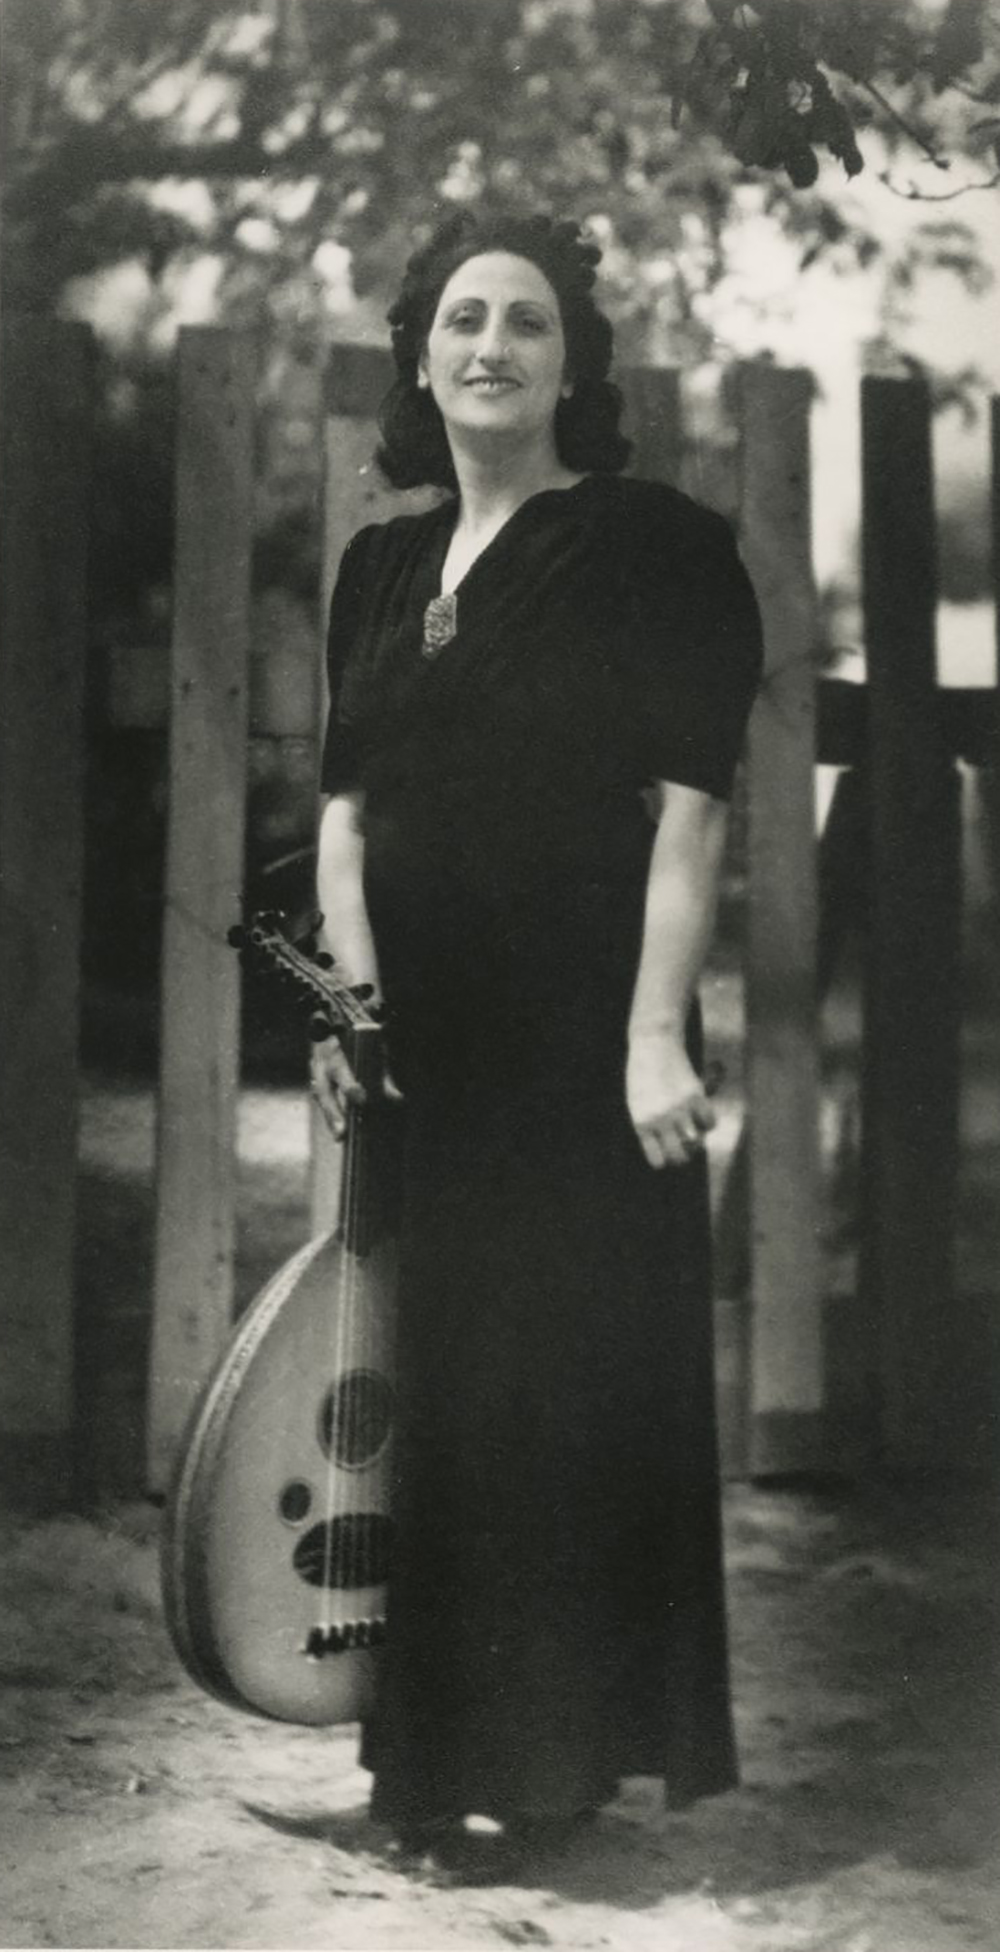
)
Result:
{"points": [[334, 1087], [332, 1084]]}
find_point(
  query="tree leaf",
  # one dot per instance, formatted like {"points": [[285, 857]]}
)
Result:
{"points": [[959, 41]]}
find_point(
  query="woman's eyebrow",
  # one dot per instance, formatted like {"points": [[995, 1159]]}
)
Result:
{"points": [[514, 305]]}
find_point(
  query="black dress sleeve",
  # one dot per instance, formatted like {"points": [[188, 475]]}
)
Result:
{"points": [[697, 648], [340, 765]]}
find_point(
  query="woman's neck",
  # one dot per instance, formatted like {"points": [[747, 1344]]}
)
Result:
{"points": [[491, 486]]}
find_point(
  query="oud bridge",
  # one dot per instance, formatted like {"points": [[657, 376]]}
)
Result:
{"points": [[340, 1639]]}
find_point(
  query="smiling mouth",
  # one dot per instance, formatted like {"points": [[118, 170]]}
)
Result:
{"points": [[486, 385]]}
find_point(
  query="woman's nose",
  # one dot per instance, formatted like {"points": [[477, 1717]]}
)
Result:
{"points": [[493, 346]]}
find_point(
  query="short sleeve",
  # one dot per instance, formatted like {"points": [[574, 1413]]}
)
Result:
{"points": [[698, 642], [339, 769]]}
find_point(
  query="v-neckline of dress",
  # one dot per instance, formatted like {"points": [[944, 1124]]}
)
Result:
{"points": [[490, 548]]}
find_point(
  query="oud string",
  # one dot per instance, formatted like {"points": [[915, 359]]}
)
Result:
{"points": [[351, 1354], [336, 1329], [353, 1282], [358, 1536]]}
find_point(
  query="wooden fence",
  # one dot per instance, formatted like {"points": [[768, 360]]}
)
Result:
{"points": [[790, 1403]]}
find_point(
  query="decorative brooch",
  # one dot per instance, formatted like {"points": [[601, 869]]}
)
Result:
{"points": [[440, 623]]}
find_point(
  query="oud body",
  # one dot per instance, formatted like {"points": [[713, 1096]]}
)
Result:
{"points": [[278, 1530]]}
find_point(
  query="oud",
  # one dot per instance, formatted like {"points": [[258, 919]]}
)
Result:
{"points": [[277, 1526]]}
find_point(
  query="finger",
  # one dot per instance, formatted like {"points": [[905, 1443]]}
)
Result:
{"points": [[328, 1104], [333, 1085], [704, 1116], [673, 1154], [680, 1144], [338, 1069], [649, 1139]]}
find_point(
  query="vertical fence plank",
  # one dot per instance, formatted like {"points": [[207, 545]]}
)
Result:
{"points": [[990, 775], [653, 421], [911, 1030], [357, 380], [788, 1425], [46, 421], [204, 877]]}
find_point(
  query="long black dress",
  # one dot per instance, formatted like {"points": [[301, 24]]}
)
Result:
{"points": [[556, 1616]]}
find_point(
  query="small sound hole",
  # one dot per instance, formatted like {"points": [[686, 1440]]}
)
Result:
{"points": [[350, 1552], [295, 1502], [355, 1418]]}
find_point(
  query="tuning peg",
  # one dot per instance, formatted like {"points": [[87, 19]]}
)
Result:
{"points": [[362, 991], [321, 1027], [236, 936], [323, 959]]}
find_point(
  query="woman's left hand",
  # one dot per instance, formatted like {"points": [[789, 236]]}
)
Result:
{"points": [[667, 1101]]}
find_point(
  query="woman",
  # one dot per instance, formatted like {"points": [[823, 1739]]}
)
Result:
{"points": [[539, 691]]}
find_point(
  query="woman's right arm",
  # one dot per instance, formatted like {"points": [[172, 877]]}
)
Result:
{"points": [[346, 935], [340, 890]]}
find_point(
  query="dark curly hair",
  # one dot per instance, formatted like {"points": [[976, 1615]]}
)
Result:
{"points": [[414, 452]]}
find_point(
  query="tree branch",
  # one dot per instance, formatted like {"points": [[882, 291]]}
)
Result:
{"points": [[901, 123], [86, 160], [913, 195], [972, 94]]}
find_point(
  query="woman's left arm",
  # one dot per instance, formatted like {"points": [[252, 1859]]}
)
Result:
{"points": [[666, 1100]]}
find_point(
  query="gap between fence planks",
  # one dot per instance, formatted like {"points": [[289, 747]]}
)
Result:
{"points": [[47, 434], [199, 1076], [788, 1426]]}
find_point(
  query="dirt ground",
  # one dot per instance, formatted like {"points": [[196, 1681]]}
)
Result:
{"points": [[134, 1811]]}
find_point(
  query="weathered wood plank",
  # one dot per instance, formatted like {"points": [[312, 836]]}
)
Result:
{"points": [[653, 422], [204, 878], [911, 1029], [990, 781], [356, 381], [788, 1394], [46, 420], [968, 719]]}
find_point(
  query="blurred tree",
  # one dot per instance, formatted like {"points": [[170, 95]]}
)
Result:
{"points": [[275, 136]]}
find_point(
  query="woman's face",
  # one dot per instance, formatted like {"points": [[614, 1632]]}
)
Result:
{"points": [[495, 359]]}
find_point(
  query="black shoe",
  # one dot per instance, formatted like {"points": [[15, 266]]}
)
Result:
{"points": [[546, 1831], [421, 1838], [478, 1856], [446, 1844]]}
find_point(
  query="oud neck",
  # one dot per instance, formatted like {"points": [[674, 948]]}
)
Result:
{"points": [[363, 1050]]}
